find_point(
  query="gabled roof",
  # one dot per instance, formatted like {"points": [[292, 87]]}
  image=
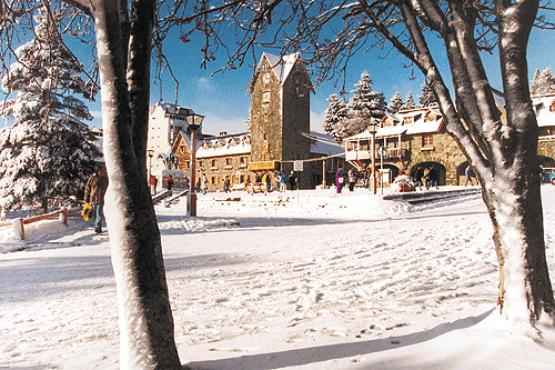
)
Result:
{"points": [[281, 67]]}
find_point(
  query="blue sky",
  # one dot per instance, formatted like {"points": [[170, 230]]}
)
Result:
{"points": [[223, 97]]}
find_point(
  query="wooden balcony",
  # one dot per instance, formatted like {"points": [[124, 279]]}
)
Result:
{"points": [[390, 155]]}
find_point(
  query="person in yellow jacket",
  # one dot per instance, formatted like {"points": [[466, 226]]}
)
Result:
{"points": [[95, 189]]}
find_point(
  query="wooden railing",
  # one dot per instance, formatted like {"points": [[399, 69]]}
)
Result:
{"points": [[61, 214]]}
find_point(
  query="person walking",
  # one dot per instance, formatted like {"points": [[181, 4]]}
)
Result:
{"points": [[282, 180], [292, 180], [169, 182], [351, 175], [95, 189], [426, 177], [339, 180], [227, 185], [469, 174], [153, 182], [204, 183]]}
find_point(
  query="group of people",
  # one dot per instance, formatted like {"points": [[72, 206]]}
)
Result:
{"points": [[341, 179], [283, 180], [426, 177]]}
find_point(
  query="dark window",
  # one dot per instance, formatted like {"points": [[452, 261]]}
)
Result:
{"points": [[427, 140]]}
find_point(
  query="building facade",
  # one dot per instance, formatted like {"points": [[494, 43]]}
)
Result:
{"points": [[165, 122], [279, 134], [415, 139]]}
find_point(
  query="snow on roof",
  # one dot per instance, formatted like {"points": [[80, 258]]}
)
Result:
{"points": [[282, 67], [545, 114], [422, 127], [419, 126], [325, 144], [225, 145]]}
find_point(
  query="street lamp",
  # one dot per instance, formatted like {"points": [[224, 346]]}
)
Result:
{"points": [[372, 128], [150, 155], [194, 121]]}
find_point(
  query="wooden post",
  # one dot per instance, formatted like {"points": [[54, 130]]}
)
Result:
{"points": [[65, 215], [19, 228], [323, 173]]}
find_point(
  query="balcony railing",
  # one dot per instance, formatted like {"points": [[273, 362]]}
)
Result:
{"points": [[389, 154]]}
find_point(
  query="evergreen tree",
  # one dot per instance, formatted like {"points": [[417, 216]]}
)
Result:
{"points": [[427, 97], [49, 150], [543, 82], [396, 103], [409, 103], [365, 102], [534, 85], [335, 116]]}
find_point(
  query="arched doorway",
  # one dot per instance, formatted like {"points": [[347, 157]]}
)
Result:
{"points": [[436, 166]]}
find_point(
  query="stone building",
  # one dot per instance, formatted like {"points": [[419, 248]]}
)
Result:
{"points": [[279, 133], [413, 139]]}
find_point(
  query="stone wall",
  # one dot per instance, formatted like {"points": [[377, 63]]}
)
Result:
{"points": [[296, 121], [546, 148], [265, 119]]}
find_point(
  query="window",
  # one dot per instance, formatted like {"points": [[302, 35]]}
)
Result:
{"points": [[408, 120], [364, 145], [241, 179], [266, 78], [266, 97], [187, 164], [228, 162], [213, 180], [201, 164], [242, 162], [427, 140], [552, 106], [213, 163]]}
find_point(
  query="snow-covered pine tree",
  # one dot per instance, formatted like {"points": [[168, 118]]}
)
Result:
{"points": [[409, 102], [543, 82], [365, 104], [427, 97], [396, 103], [335, 116], [534, 84], [49, 150]]}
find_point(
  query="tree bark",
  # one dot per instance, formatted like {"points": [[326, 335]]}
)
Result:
{"points": [[145, 318], [138, 77]]}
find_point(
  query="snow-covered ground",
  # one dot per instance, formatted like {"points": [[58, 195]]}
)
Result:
{"points": [[309, 280]]}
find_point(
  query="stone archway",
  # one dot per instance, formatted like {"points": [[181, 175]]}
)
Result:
{"points": [[546, 162], [440, 169]]}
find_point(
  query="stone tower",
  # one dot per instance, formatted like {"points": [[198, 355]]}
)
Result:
{"points": [[280, 111]]}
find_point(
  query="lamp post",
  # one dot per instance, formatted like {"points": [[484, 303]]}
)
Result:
{"points": [[150, 155], [372, 129], [194, 121]]}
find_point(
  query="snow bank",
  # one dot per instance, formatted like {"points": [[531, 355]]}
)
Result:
{"points": [[11, 241], [314, 204]]}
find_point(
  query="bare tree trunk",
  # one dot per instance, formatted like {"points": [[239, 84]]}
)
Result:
{"points": [[145, 318], [516, 212]]}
